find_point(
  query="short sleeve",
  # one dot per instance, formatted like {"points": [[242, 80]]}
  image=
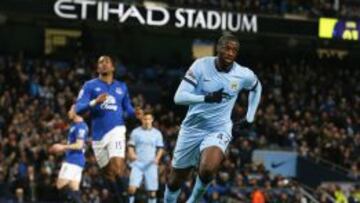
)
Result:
{"points": [[192, 75], [81, 133], [132, 139], [159, 140]]}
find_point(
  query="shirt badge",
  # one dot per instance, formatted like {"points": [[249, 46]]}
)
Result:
{"points": [[234, 85], [118, 90]]}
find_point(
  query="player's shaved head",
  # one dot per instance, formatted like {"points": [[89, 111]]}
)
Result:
{"points": [[227, 38], [227, 51]]}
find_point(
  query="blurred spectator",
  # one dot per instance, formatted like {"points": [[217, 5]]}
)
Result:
{"points": [[310, 8]]}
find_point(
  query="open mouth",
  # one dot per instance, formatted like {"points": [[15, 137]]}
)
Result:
{"points": [[228, 59]]}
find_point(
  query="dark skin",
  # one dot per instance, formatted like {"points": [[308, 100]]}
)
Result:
{"points": [[211, 157], [117, 165], [227, 53]]}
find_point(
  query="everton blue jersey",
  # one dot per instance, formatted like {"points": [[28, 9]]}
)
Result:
{"points": [[77, 131], [110, 113]]}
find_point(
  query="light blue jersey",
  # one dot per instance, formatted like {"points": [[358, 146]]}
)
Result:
{"points": [[206, 79], [146, 142], [209, 124], [108, 115], [77, 131]]}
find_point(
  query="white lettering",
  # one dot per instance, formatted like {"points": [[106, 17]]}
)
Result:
{"points": [[100, 11], [84, 5], [230, 22], [223, 21], [156, 16], [132, 12], [111, 107], [107, 11], [60, 6], [190, 16], [200, 20], [151, 21], [180, 18], [213, 25], [248, 26]]}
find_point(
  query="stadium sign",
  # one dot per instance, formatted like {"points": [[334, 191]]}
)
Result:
{"points": [[155, 15]]}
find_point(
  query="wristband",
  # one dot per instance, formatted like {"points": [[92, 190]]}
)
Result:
{"points": [[92, 103]]}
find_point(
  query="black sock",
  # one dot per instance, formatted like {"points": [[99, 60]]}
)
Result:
{"points": [[122, 184], [65, 195], [115, 190], [75, 196]]}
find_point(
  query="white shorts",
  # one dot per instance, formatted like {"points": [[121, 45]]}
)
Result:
{"points": [[113, 144], [70, 171], [149, 173], [191, 143]]}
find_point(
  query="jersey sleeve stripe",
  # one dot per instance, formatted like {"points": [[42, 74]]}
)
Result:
{"points": [[189, 81], [255, 85]]}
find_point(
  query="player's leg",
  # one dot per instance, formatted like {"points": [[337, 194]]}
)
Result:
{"points": [[74, 184], [186, 156], [116, 147], [61, 183], [151, 196], [115, 169], [74, 192], [136, 176], [103, 159], [175, 180], [151, 175], [212, 154], [211, 159], [63, 179], [69, 181]]}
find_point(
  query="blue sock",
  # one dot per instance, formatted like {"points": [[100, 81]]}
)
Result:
{"points": [[171, 196], [198, 191]]}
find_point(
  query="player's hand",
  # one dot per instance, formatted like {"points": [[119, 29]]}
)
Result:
{"points": [[242, 124], [57, 148], [139, 112], [101, 98], [215, 97]]}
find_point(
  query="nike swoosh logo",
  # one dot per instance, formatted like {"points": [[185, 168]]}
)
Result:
{"points": [[277, 165]]}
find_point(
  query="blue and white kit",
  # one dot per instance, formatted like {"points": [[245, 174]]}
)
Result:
{"points": [[107, 119], [72, 167]]}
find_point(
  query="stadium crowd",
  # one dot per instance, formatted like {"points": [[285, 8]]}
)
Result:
{"points": [[309, 8], [309, 106]]}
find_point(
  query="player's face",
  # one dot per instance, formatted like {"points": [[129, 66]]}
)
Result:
{"points": [[105, 65], [228, 52], [147, 121]]}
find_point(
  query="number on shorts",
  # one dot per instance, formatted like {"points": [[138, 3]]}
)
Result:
{"points": [[118, 145]]}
